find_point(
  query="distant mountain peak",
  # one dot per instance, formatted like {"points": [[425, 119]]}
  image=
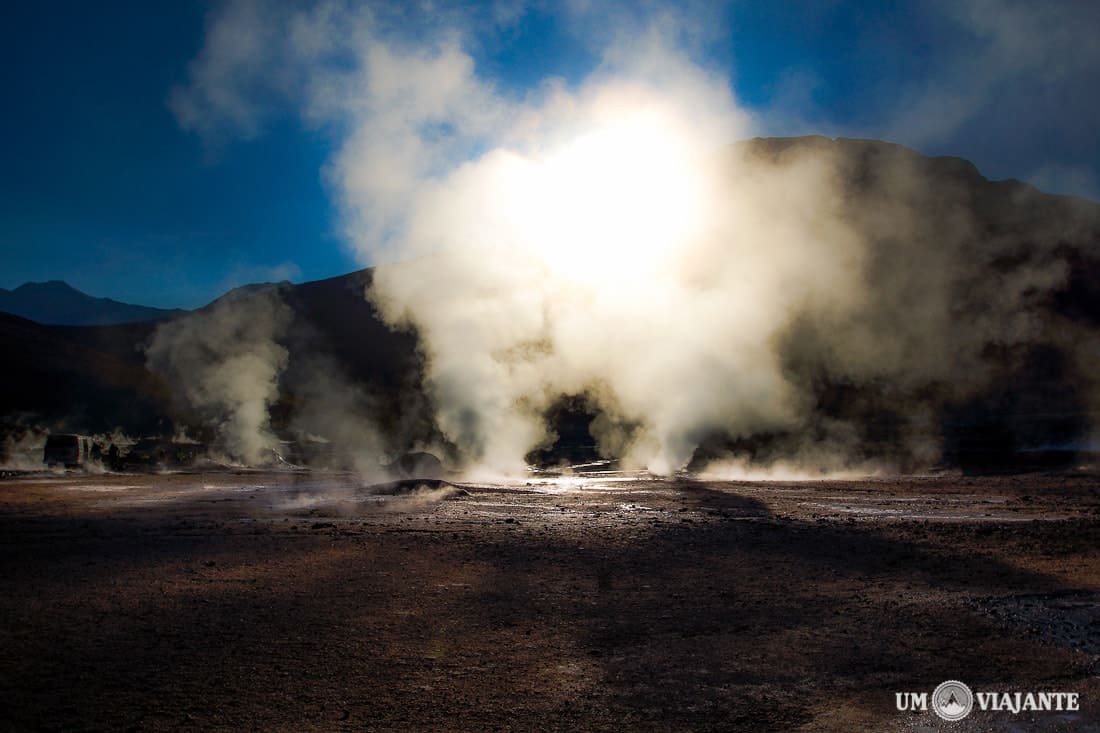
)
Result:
{"points": [[48, 285], [56, 302]]}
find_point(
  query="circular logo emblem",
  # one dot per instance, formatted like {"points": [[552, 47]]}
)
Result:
{"points": [[952, 700]]}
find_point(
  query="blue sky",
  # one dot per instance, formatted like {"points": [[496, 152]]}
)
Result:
{"points": [[106, 186]]}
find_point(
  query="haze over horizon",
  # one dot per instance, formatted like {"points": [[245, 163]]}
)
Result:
{"points": [[163, 156]]}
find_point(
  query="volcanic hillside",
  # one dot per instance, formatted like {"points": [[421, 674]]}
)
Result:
{"points": [[95, 378]]}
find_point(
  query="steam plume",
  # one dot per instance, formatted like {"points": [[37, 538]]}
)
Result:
{"points": [[226, 361], [780, 300]]}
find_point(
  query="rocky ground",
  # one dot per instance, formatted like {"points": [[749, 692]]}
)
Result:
{"points": [[291, 601]]}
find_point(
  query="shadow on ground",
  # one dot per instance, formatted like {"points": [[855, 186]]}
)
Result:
{"points": [[723, 618]]}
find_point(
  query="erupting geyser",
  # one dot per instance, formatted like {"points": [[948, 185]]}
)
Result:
{"points": [[814, 304]]}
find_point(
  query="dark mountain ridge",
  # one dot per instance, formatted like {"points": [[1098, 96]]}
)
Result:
{"points": [[94, 378], [57, 303]]}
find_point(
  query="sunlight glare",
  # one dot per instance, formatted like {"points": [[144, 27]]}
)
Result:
{"points": [[614, 203]]}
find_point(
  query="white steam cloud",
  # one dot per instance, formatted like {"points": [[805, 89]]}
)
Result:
{"points": [[226, 362], [603, 240]]}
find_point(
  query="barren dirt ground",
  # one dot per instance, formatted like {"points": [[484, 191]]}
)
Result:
{"points": [[298, 601]]}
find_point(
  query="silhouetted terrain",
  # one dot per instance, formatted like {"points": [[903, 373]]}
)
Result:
{"points": [[1034, 402], [94, 378], [89, 378], [58, 303]]}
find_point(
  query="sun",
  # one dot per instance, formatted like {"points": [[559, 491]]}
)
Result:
{"points": [[616, 201]]}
